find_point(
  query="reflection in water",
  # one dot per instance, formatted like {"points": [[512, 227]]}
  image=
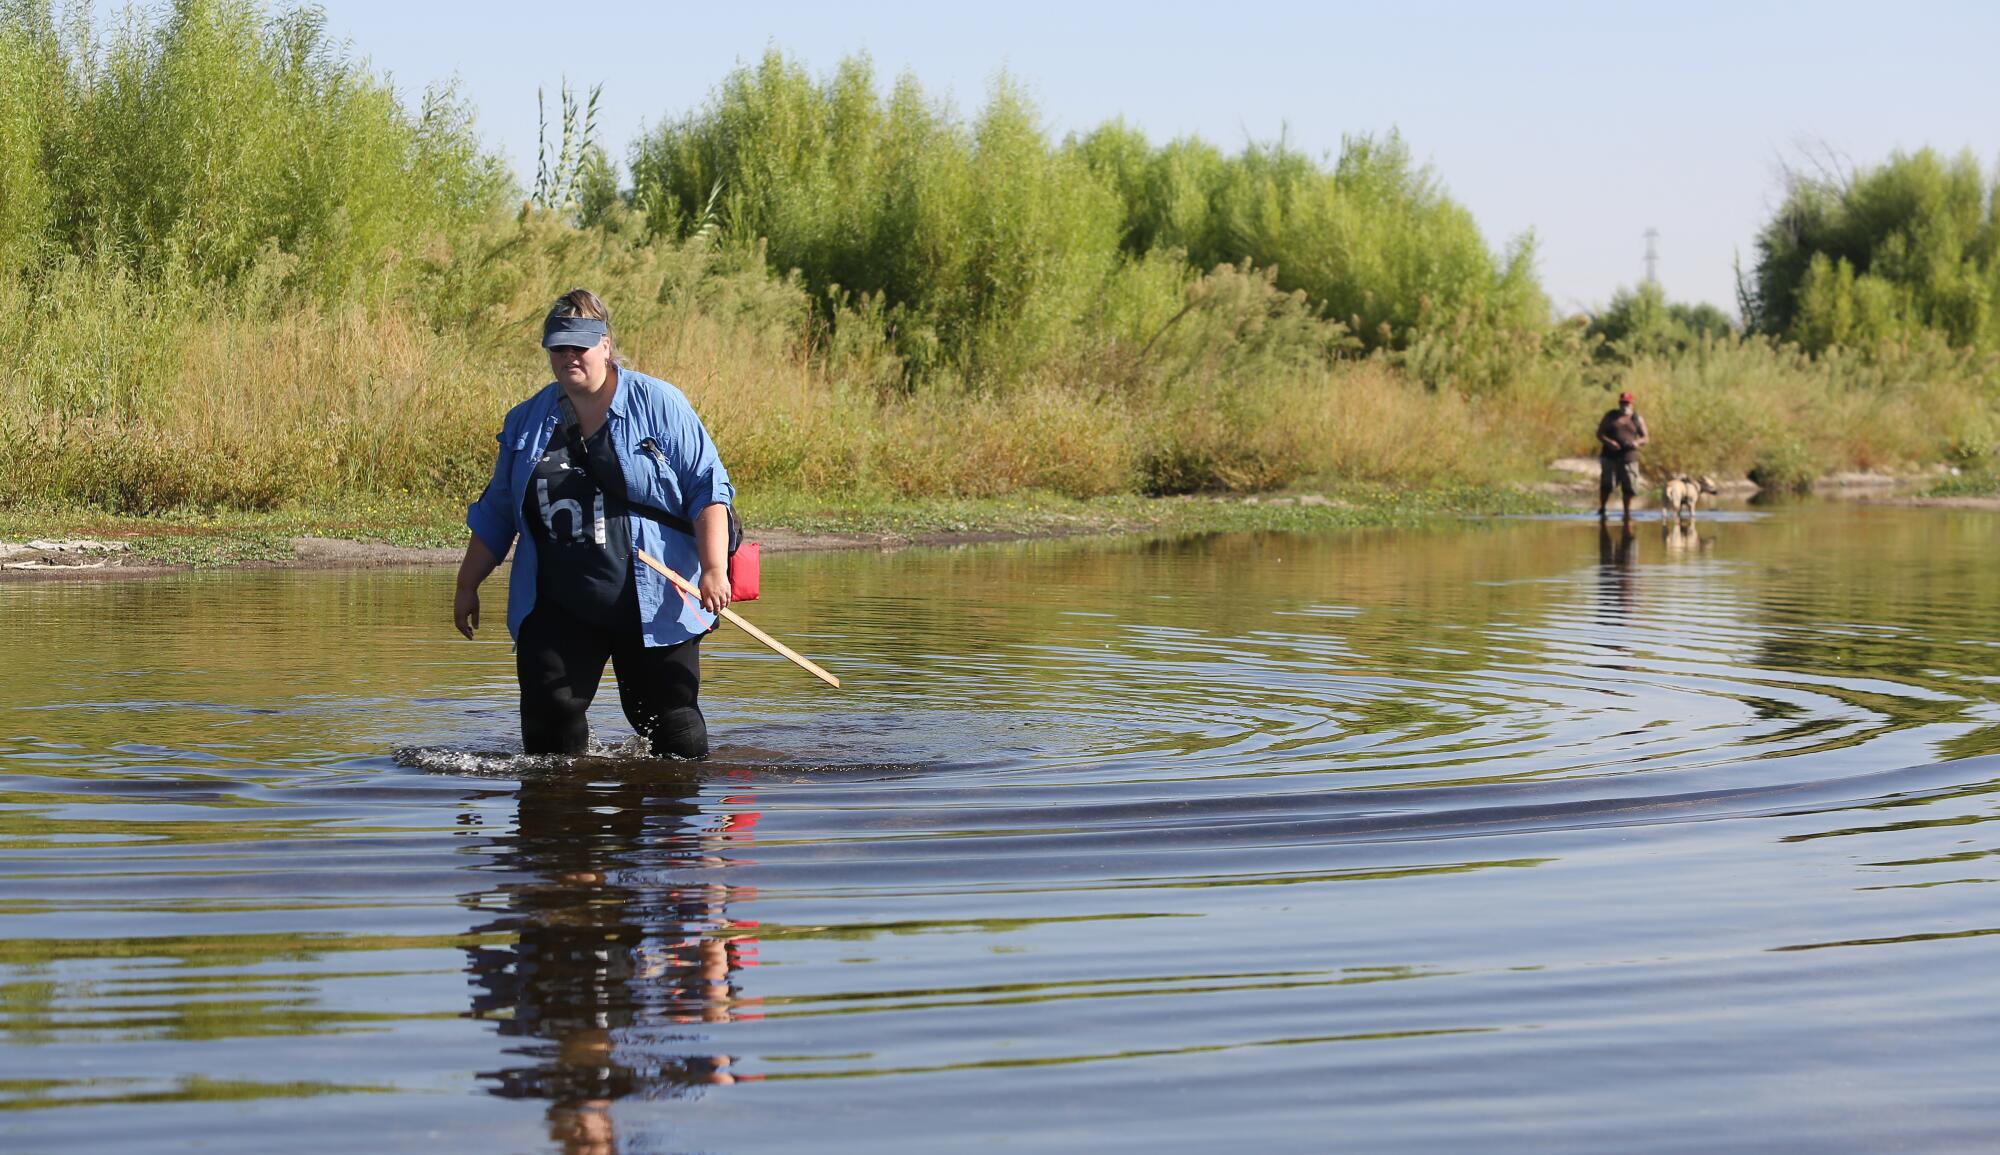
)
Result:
{"points": [[1614, 569], [619, 957], [1440, 839], [1682, 537], [1614, 550]]}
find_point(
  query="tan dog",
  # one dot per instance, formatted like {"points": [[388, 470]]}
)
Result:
{"points": [[1684, 494]]}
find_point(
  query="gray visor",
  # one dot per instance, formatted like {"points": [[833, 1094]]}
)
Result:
{"points": [[577, 332]]}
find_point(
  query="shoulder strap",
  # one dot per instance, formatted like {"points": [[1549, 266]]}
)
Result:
{"points": [[572, 432]]}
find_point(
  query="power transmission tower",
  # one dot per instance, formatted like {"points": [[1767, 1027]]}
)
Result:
{"points": [[1652, 256]]}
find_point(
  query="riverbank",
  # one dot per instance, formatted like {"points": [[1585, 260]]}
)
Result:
{"points": [[85, 543], [57, 542], [964, 317]]}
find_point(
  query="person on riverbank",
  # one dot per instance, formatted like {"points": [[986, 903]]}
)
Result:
{"points": [[1619, 436], [601, 462]]}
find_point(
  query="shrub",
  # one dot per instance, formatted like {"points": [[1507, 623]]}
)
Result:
{"points": [[991, 248], [218, 143], [1879, 254], [1785, 466], [1641, 322]]}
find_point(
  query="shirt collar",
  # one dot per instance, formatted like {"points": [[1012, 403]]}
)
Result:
{"points": [[621, 390]]}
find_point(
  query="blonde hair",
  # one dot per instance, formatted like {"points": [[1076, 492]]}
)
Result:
{"points": [[584, 303]]}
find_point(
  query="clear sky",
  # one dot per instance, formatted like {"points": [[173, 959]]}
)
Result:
{"points": [[1585, 123]]}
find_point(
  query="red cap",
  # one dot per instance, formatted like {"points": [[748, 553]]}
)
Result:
{"points": [[1623, 398]]}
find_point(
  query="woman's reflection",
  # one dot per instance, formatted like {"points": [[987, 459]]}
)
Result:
{"points": [[622, 945]]}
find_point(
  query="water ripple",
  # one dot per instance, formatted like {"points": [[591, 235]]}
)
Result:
{"points": [[1512, 837]]}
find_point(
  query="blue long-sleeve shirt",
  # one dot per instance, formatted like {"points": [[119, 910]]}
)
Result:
{"points": [[679, 471]]}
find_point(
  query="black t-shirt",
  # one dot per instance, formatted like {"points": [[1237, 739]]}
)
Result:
{"points": [[582, 544]]}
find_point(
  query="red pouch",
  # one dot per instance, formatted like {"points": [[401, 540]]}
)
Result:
{"points": [[744, 566]]}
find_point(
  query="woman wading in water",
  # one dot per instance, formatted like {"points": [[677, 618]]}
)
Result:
{"points": [[602, 461]]}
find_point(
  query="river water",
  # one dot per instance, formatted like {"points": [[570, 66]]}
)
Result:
{"points": [[1516, 836]]}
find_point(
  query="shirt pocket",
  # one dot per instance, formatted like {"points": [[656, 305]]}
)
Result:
{"points": [[653, 479]]}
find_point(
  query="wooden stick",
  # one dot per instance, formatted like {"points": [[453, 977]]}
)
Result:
{"points": [[801, 661]]}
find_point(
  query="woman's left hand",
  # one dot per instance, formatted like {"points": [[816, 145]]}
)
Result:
{"points": [[714, 590]]}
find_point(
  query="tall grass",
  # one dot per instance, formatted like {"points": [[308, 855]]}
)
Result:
{"points": [[140, 398], [241, 273], [1748, 408]]}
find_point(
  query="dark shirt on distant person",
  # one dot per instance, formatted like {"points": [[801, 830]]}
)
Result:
{"points": [[1627, 429]]}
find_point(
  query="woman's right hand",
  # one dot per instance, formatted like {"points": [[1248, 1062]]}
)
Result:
{"points": [[465, 609], [479, 561]]}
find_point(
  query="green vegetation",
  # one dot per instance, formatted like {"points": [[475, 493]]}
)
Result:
{"points": [[1966, 485], [988, 252], [251, 283], [1641, 322], [1908, 252], [221, 147]]}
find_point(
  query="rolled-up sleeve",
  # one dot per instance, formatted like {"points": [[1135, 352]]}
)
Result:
{"points": [[703, 480], [492, 519]]}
